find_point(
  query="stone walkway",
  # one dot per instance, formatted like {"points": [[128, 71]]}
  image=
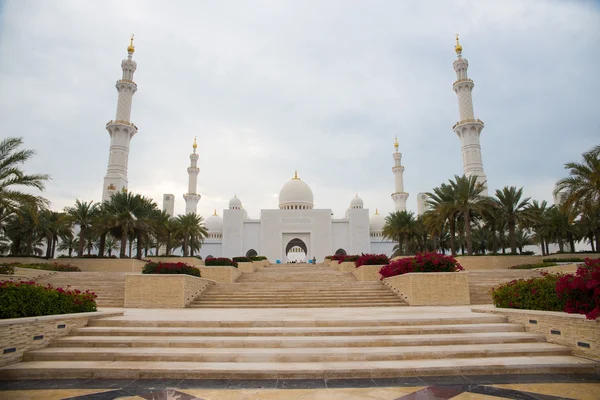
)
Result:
{"points": [[478, 387]]}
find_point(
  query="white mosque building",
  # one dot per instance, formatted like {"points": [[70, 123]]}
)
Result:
{"points": [[296, 230]]}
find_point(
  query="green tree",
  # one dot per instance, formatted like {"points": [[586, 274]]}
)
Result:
{"points": [[512, 207], [536, 218], [468, 201], [13, 179], [124, 209], [443, 208], [53, 224], [400, 226], [191, 227], [82, 214]]}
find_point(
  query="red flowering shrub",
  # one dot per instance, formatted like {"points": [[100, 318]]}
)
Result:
{"points": [[170, 268], [349, 258], [422, 262], [581, 292], [221, 261], [529, 294], [28, 299], [372, 259]]}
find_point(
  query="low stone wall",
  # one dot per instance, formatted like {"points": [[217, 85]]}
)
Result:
{"points": [[196, 262], [346, 266], [163, 291], [326, 262], [367, 272], [258, 265], [18, 335], [576, 332], [106, 264], [246, 267], [495, 262], [25, 260], [220, 273], [431, 288]]}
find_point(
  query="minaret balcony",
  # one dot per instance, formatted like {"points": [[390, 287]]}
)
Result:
{"points": [[121, 122], [468, 121], [127, 81], [463, 81]]}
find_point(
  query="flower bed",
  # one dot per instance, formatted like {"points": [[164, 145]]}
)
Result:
{"points": [[258, 258], [7, 270], [48, 267], [575, 294], [372, 259], [28, 299], [221, 261], [170, 268], [241, 259], [422, 262]]}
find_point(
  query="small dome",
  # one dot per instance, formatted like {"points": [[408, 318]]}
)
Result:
{"points": [[356, 203], [296, 194], [376, 222], [235, 203], [214, 223]]}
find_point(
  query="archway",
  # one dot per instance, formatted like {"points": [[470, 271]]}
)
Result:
{"points": [[251, 253], [341, 252], [296, 250]]}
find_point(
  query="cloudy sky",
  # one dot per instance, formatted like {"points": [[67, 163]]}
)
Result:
{"points": [[323, 87]]}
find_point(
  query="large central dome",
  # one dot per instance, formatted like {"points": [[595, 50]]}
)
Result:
{"points": [[296, 195]]}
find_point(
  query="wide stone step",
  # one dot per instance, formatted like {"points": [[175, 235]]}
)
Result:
{"points": [[358, 322], [299, 341], [293, 305], [283, 370], [296, 331], [295, 355], [243, 296]]}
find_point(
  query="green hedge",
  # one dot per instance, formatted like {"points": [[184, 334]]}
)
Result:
{"points": [[7, 269], [533, 266], [563, 260], [530, 294], [28, 299], [48, 267], [221, 262], [241, 259]]}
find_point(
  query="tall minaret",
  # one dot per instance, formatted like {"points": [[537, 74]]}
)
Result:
{"points": [[399, 196], [191, 197], [121, 130], [468, 128]]}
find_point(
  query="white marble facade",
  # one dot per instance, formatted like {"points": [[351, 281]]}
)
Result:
{"points": [[278, 233]]}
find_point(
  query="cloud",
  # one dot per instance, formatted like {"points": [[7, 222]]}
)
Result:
{"points": [[270, 87]]}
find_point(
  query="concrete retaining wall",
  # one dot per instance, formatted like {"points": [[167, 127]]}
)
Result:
{"points": [[431, 288], [163, 291]]}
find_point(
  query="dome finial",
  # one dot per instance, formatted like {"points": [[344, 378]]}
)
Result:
{"points": [[131, 47], [458, 47], [215, 212], [376, 211], [195, 145], [296, 175], [396, 143]]}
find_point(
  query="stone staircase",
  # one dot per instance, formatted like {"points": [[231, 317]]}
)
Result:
{"points": [[297, 286], [482, 282], [108, 286], [259, 344]]}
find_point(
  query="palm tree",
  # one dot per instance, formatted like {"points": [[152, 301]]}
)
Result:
{"points": [[52, 225], [441, 203], [512, 207], [22, 228], [400, 226], [191, 227], [144, 215], [535, 217], [468, 201], [12, 178], [82, 214], [559, 226], [582, 186], [110, 244], [68, 243], [129, 214]]}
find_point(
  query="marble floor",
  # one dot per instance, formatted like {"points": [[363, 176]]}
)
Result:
{"points": [[477, 387]]}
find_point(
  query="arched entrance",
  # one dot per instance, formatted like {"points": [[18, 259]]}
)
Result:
{"points": [[296, 250], [251, 253], [341, 252]]}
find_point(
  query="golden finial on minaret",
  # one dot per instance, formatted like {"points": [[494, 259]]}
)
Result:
{"points": [[396, 143], [131, 47], [376, 211], [195, 145], [296, 175], [215, 212], [458, 47]]}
